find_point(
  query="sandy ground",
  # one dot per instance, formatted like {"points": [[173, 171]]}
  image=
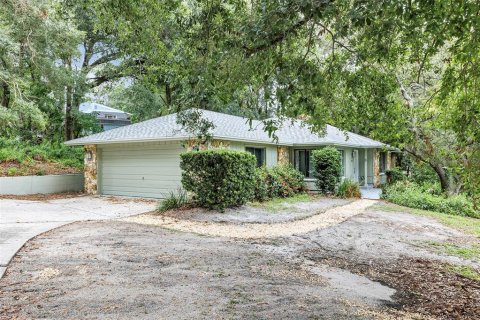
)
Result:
{"points": [[252, 214], [323, 219], [374, 265]]}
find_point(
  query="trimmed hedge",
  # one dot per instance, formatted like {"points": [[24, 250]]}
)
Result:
{"points": [[411, 195], [278, 181], [219, 178], [327, 169]]}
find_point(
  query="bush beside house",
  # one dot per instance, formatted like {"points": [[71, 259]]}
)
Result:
{"points": [[219, 178], [327, 169], [278, 181]]}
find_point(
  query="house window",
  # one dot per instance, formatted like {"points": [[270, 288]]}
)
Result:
{"points": [[259, 153], [303, 162], [383, 162], [110, 116]]}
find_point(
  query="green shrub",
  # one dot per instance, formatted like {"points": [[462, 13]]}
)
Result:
{"points": [[284, 181], [327, 168], [262, 190], [219, 178], [349, 189], [423, 173], [174, 200], [12, 171], [395, 174], [411, 195]]}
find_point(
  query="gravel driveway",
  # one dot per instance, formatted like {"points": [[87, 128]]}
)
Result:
{"points": [[375, 265]]}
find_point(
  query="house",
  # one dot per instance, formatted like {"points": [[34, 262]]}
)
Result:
{"points": [[108, 118], [143, 159]]}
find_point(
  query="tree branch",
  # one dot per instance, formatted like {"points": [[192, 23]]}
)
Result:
{"points": [[276, 38]]}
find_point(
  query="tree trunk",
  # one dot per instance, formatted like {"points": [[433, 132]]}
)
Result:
{"points": [[168, 94], [442, 176], [6, 95], [68, 114]]}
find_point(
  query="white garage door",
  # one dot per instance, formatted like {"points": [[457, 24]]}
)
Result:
{"points": [[139, 169]]}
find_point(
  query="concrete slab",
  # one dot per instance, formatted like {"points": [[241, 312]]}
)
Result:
{"points": [[21, 220], [371, 193]]}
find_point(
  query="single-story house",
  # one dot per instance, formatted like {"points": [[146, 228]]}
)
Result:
{"points": [[108, 117], [143, 159]]}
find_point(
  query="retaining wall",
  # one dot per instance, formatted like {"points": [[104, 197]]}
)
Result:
{"points": [[41, 184]]}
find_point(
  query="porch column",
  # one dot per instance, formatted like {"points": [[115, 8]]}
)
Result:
{"points": [[376, 168], [282, 155], [365, 182]]}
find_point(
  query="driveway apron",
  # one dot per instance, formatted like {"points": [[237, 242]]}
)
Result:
{"points": [[21, 220]]}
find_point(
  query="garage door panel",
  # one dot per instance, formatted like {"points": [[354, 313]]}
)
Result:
{"points": [[146, 170], [114, 183]]}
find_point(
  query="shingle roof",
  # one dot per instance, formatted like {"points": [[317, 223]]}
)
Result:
{"points": [[89, 107], [228, 127]]}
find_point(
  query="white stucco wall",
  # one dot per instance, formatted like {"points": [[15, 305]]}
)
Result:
{"points": [[41, 184]]}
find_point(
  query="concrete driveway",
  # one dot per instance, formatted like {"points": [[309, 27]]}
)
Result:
{"points": [[21, 220]]}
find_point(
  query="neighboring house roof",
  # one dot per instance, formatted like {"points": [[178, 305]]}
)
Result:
{"points": [[89, 107], [228, 127]]}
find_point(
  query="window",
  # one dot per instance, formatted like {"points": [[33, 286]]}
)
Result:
{"points": [[303, 162], [259, 153], [383, 162]]}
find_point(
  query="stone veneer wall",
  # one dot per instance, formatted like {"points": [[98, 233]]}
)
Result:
{"points": [[90, 170], [376, 168], [283, 156]]}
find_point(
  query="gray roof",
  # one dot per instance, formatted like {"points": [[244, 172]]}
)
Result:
{"points": [[228, 127], [89, 107]]}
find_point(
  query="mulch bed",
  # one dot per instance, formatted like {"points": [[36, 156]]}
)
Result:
{"points": [[423, 286]]}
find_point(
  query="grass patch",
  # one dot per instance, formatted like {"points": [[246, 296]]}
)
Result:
{"points": [[465, 271], [277, 204], [472, 252], [465, 224]]}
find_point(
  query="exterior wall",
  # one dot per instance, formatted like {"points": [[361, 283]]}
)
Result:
{"points": [[270, 151], [41, 184], [348, 164], [90, 169]]}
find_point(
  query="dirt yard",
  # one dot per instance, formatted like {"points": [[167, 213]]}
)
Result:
{"points": [[379, 264]]}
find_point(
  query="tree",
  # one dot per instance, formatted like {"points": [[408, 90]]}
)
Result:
{"points": [[32, 37], [98, 61]]}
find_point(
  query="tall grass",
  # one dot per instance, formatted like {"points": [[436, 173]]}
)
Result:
{"points": [[174, 200], [19, 151]]}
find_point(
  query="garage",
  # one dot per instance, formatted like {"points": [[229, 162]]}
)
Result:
{"points": [[139, 169]]}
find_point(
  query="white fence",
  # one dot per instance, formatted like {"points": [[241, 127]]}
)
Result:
{"points": [[41, 184]]}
